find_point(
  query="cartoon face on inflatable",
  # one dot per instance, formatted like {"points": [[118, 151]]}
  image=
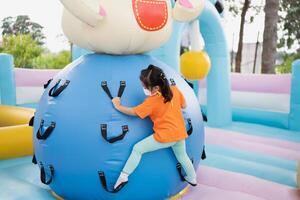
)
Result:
{"points": [[124, 26]]}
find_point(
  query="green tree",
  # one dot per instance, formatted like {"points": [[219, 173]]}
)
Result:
{"points": [[24, 49], [289, 23], [22, 25], [286, 66], [52, 61]]}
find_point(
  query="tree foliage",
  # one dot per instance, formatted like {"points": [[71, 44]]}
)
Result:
{"points": [[286, 66], [290, 22], [52, 61], [24, 26], [235, 8], [23, 48], [29, 54]]}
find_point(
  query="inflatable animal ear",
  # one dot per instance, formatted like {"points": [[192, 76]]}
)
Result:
{"points": [[187, 10], [84, 12]]}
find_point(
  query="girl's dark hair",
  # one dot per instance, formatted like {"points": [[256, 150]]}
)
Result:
{"points": [[154, 76]]}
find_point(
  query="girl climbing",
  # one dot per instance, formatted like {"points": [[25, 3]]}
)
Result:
{"points": [[163, 105]]}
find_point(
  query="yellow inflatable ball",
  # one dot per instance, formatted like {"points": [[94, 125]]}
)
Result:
{"points": [[194, 65]]}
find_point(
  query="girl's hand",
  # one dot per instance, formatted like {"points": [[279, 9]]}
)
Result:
{"points": [[116, 102]]}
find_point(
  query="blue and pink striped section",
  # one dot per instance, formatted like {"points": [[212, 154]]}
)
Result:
{"points": [[240, 165]]}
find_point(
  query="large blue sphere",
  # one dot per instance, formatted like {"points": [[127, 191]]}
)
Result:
{"points": [[76, 149]]}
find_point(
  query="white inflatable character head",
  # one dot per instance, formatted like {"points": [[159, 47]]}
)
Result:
{"points": [[124, 26]]}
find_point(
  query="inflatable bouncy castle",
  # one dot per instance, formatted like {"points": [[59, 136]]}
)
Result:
{"points": [[81, 142]]}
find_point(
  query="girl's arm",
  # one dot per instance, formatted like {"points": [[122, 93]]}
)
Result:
{"points": [[123, 109]]}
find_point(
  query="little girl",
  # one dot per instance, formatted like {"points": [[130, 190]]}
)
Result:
{"points": [[163, 105]]}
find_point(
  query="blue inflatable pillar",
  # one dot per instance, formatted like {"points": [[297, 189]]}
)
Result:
{"points": [[219, 112], [294, 117], [7, 80]]}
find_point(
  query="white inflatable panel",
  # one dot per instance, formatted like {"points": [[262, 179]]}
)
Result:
{"points": [[254, 100], [29, 94]]}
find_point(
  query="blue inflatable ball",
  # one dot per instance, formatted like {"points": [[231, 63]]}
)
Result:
{"points": [[79, 138]]}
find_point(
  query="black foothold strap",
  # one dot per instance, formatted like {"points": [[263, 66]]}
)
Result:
{"points": [[178, 166], [172, 82], [179, 169], [106, 90], [47, 133], [104, 184], [204, 116], [34, 161], [219, 6], [114, 139], [122, 88], [55, 90], [47, 84], [190, 130], [203, 156], [43, 174], [189, 83], [31, 121]]}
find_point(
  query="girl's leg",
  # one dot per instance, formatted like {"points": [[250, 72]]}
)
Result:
{"points": [[146, 145], [182, 157]]}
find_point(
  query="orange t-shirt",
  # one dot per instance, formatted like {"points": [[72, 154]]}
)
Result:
{"points": [[168, 121]]}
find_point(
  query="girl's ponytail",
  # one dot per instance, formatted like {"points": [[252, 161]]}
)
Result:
{"points": [[165, 88], [154, 76]]}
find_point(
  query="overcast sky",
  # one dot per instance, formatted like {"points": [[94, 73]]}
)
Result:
{"points": [[48, 14], [45, 12]]}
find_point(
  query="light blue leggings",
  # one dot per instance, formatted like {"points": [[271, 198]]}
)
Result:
{"points": [[150, 144]]}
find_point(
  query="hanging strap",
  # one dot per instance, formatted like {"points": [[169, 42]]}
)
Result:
{"points": [[189, 83], [172, 82], [179, 169], [219, 6], [47, 84], [114, 139], [107, 91], [55, 90], [203, 156], [34, 161], [31, 121], [43, 174], [104, 184], [190, 130], [121, 88], [43, 136]]}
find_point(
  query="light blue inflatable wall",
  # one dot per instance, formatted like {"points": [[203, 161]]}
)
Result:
{"points": [[294, 117], [218, 81], [7, 80], [254, 116]]}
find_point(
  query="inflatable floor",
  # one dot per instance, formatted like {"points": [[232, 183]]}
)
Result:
{"points": [[244, 162]]}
